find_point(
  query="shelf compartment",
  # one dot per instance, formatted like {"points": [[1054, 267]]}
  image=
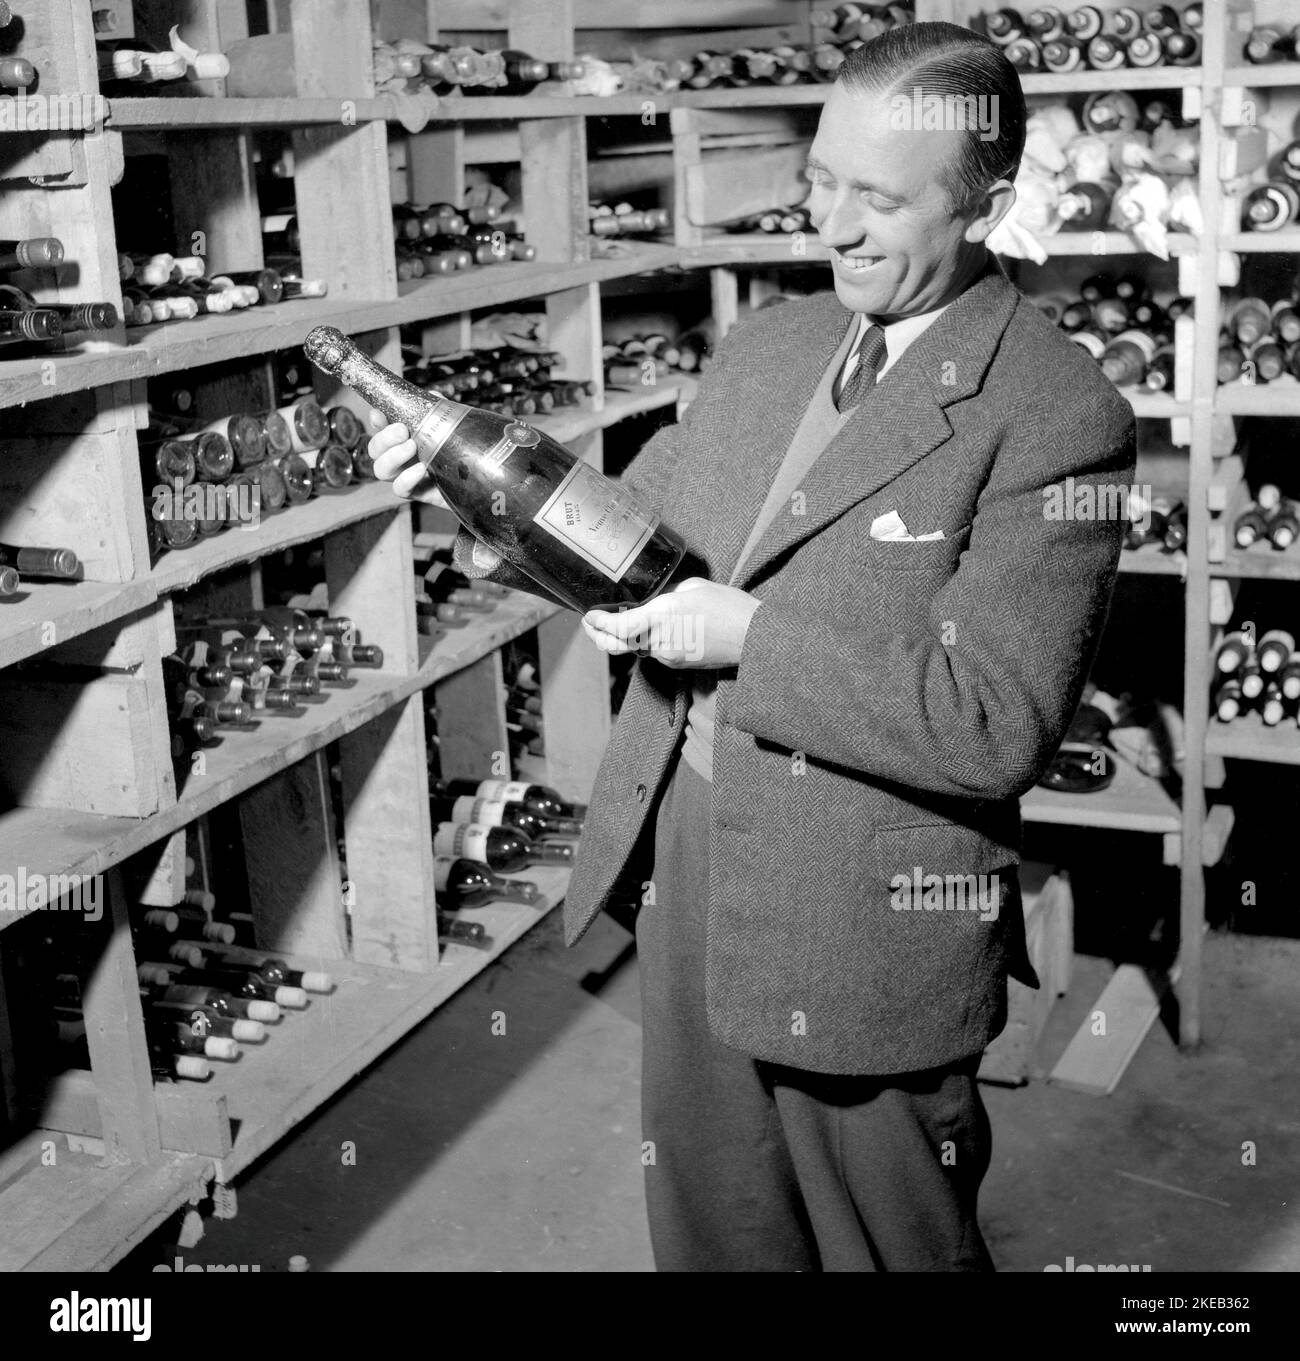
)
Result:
{"points": [[1130, 78], [1247, 739], [180, 569], [753, 248], [571, 423], [458, 648], [1133, 803], [154, 350], [311, 1054], [69, 608], [1256, 77], [1260, 562], [161, 114]]}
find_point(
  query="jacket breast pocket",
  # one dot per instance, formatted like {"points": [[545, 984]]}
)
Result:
{"points": [[919, 555]]}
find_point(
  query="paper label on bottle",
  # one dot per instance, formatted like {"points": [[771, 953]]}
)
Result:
{"points": [[489, 812], [516, 435], [465, 839], [503, 791], [442, 872], [599, 520], [435, 429]]}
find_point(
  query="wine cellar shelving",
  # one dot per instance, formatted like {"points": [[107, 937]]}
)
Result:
{"points": [[91, 784]]}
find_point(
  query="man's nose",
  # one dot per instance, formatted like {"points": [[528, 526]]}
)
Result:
{"points": [[841, 227]]}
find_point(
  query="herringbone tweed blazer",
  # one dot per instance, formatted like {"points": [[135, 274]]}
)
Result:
{"points": [[893, 699]]}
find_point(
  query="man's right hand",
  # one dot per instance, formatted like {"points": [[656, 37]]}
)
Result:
{"points": [[392, 451]]}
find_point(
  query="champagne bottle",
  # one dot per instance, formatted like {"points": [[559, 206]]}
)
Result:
{"points": [[503, 849], [40, 562], [585, 539], [468, 883]]}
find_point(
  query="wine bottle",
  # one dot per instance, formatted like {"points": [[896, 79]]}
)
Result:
{"points": [[205, 1021], [1270, 207], [1249, 527], [1268, 44], [275, 972], [177, 1037], [42, 323], [500, 813], [1181, 48], [468, 883], [1272, 706], [585, 539], [463, 933], [1289, 677], [163, 982], [1045, 23], [16, 74], [1003, 26], [243, 983], [1275, 649], [503, 849], [40, 562], [1266, 359], [331, 468], [1106, 53], [1233, 652], [1283, 526], [1084, 206], [1251, 676], [1124, 22], [1144, 50], [37, 252], [1084, 22], [1228, 701], [1125, 359]]}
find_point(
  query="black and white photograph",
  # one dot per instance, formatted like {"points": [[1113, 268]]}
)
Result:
{"points": [[650, 636]]}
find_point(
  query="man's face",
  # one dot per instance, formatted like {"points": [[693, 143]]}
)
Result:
{"points": [[879, 203]]}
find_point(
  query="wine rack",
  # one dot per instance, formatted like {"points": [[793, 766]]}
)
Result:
{"points": [[95, 787]]}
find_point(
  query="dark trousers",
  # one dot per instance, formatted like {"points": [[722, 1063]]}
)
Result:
{"points": [[751, 1166]]}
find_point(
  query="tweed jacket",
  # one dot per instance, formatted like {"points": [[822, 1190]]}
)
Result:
{"points": [[894, 698]]}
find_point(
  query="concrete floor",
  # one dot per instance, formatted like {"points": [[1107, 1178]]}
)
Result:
{"points": [[520, 1152]]}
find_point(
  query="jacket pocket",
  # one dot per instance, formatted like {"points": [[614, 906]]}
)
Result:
{"points": [[945, 867]]}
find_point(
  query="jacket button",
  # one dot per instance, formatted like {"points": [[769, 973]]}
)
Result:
{"points": [[640, 793]]}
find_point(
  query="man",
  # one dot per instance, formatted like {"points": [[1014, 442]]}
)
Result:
{"points": [[824, 746]]}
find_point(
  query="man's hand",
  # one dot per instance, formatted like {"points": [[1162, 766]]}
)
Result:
{"points": [[392, 450], [696, 624]]}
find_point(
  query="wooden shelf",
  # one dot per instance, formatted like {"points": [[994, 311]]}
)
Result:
{"points": [[1284, 242], [461, 647], [571, 423], [1113, 243], [1277, 73], [1150, 561], [1133, 803], [69, 607], [180, 569], [753, 248], [1247, 739], [80, 1214], [1155, 405], [1129, 78], [1278, 398], [311, 1054], [1259, 562], [173, 346], [181, 112]]}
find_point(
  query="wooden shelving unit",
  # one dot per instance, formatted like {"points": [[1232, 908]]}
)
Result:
{"points": [[72, 419]]}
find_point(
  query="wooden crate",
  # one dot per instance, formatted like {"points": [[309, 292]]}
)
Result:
{"points": [[1049, 935]]}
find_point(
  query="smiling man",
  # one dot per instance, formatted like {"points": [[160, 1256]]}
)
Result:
{"points": [[881, 649]]}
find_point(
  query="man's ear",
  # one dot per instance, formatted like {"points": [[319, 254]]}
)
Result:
{"points": [[994, 206]]}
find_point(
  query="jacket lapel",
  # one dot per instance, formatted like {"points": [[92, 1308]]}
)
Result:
{"points": [[896, 425]]}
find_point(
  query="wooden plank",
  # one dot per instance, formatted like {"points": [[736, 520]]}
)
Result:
{"points": [[687, 153], [368, 570], [435, 166], [1226, 478], [454, 15], [1133, 803], [469, 708], [43, 613], [554, 172], [191, 1118], [122, 1077], [214, 199], [723, 186], [163, 884], [724, 290], [1095, 1059], [388, 840], [575, 707], [86, 747], [293, 869]]}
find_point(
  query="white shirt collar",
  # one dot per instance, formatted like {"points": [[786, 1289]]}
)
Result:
{"points": [[898, 334]]}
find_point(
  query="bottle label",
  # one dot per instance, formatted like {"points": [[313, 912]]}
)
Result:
{"points": [[489, 812], [503, 791], [600, 521], [465, 839], [517, 435], [435, 429]]}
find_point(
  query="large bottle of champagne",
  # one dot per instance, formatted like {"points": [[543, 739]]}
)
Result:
{"points": [[584, 538]]}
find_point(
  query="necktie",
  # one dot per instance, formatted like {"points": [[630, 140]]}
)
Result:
{"points": [[871, 354]]}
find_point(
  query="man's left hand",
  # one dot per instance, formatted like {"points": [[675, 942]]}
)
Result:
{"points": [[698, 624]]}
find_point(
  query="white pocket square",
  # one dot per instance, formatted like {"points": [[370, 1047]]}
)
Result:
{"points": [[890, 529]]}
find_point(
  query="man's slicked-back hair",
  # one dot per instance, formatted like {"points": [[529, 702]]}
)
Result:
{"points": [[951, 63]]}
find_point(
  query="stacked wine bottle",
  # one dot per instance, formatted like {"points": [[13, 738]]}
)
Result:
{"points": [[163, 287], [1117, 321], [201, 478], [1088, 38], [646, 358], [622, 219], [230, 673], [505, 379], [443, 239], [24, 320], [1259, 341], [1257, 675], [1270, 518]]}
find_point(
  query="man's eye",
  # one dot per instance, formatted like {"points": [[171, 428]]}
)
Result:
{"points": [[878, 204], [815, 176]]}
